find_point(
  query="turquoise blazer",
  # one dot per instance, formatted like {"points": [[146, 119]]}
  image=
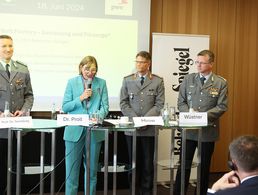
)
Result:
{"points": [[72, 105]]}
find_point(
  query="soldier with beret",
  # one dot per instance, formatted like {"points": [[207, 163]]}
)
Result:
{"points": [[142, 94], [15, 88], [202, 92]]}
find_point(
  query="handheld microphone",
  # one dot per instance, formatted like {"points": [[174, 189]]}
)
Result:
{"points": [[88, 85]]}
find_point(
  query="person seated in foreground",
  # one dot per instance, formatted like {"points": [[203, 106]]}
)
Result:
{"points": [[243, 179]]}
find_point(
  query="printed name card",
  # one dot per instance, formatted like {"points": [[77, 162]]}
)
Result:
{"points": [[193, 119], [150, 120], [16, 122], [73, 119]]}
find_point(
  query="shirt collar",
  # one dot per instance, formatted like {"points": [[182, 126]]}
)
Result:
{"points": [[248, 178], [206, 76], [139, 75], [4, 63]]}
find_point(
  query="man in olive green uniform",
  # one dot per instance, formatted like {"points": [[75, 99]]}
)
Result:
{"points": [[15, 88], [142, 94], [202, 92]]}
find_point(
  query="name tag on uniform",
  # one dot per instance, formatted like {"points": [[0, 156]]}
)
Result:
{"points": [[16, 122], [149, 120], [193, 119], [73, 120]]}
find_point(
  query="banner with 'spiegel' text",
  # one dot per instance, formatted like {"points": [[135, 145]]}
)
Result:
{"points": [[173, 57]]}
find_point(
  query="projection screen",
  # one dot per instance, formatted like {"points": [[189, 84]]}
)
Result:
{"points": [[52, 36]]}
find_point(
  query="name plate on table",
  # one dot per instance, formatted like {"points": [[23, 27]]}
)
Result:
{"points": [[16, 122], [193, 119], [73, 119], [150, 120]]}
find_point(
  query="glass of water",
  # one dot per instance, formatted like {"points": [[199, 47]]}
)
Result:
{"points": [[172, 113], [94, 118]]}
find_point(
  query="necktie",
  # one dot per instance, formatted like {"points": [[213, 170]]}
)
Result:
{"points": [[142, 80], [202, 80], [7, 69]]}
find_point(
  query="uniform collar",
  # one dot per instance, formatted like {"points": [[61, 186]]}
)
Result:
{"points": [[206, 76], [11, 62], [3, 63], [139, 75], [147, 75]]}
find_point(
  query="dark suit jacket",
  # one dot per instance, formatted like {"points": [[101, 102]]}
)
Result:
{"points": [[248, 187]]}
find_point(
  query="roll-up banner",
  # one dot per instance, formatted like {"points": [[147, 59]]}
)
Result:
{"points": [[173, 57]]}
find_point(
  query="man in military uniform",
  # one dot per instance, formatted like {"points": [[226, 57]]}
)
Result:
{"points": [[15, 88], [142, 94], [202, 92]]}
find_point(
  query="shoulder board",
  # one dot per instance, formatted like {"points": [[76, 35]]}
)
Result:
{"points": [[156, 76], [129, 75], [222, 78], [21, 63]]}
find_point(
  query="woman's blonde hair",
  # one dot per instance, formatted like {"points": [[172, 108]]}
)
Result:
{"points": [[88, 61]]}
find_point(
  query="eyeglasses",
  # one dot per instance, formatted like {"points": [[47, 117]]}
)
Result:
{"points": [[140, 62], [89, 70], [204, 63]]}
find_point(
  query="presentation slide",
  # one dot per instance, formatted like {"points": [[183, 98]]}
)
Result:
{"points": [[52, 37]]}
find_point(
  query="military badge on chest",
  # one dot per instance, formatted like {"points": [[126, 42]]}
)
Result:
{"points": [[214, 91], [19, 82]]}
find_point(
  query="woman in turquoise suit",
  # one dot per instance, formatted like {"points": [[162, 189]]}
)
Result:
{"points": [[84, 94]]}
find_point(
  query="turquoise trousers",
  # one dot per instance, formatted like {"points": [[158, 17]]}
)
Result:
{"points": [[76, 152]]}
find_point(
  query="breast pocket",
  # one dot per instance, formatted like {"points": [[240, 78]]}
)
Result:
{"points": [[3, 90], [211, 98], [151, 96], [191, 90], [20, 89]]}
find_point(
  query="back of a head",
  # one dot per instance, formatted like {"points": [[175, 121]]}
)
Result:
{"points": [[244, 150]]}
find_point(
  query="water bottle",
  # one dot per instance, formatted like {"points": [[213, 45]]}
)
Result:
{"points": [[172, 113], [189, 97], [165, 116], [53, 111], [6, 109]]}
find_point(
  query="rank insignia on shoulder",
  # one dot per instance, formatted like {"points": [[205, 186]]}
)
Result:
{"points": [[156, 76], [222, 78], [21, 63], [129, 75]]}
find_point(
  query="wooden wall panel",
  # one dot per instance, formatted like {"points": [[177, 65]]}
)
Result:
{"points": [[225, 57], [191, 17], [156, 16], [233, 29], [245, 94]]}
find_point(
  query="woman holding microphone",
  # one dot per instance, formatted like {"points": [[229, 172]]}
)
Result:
{"points": [[84, 94]]}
